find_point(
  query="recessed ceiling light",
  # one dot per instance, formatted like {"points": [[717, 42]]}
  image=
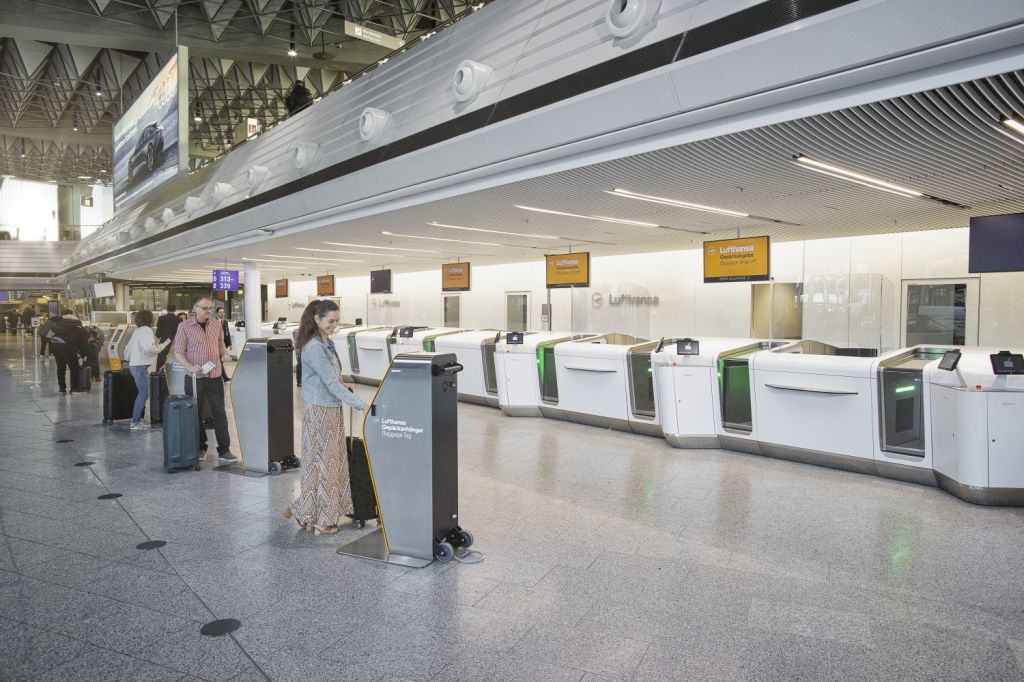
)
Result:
{"points": [[480, 229], [291, 50], [604, 219], [625, 193], [387, 248], [440, 239], [85, 177]]}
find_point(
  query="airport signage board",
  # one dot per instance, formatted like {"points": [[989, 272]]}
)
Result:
{"points": [[325, 285], [371, 36], [87, 202], [737, 260], [225, 280], [150, 144], [455, 277], [568, 270], [281, 288]]}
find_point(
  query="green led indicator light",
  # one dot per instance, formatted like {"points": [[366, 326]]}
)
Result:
{"points": [[904, 389]]}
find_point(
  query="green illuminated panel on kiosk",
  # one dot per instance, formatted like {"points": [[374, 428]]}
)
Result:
{"points": [[641, 379], [735, 386], [490, 372], [546, 372]]}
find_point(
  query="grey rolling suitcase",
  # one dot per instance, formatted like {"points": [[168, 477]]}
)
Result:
{"points": [[181, 432]]}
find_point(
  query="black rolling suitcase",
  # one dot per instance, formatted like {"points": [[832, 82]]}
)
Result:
{"points": [[118, 395], [364, 499], [83, 377], [181, 433], [157, 397]]}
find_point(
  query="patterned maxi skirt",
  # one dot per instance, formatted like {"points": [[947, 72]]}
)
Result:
{"points": [[326, 495]]}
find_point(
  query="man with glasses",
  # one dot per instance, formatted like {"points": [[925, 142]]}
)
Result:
{"points": [[199, 346]]}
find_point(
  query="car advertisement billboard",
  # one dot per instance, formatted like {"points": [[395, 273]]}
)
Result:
{"points": [[150, 139]]}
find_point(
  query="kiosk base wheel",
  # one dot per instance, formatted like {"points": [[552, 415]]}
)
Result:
{"points": [[444, 552], [466, 538], [275, 467]]}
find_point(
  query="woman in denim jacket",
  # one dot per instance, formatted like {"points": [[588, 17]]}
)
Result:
{"points": [[326, 495]]}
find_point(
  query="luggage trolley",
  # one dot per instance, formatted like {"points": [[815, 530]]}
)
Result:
{"points": [[411, 438]]}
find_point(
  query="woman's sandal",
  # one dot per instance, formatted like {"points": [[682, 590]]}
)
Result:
{"points": [[330, 530], [287, 513]]}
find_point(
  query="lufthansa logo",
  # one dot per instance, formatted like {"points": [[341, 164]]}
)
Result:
{"points": [[596, 300], [711, 251]]}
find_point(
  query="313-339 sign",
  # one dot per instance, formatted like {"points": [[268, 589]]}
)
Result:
{"points": [[225, 280]]}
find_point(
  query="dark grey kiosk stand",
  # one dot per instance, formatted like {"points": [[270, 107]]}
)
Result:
{"points": [[261, 395], [412, 447]]}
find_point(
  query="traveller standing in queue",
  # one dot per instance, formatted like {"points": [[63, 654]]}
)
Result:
{"points": [[326, 495], [199, 346], [166, 327], [141, 352], [69, 345]]}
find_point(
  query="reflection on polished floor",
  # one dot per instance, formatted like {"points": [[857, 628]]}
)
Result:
{"points": [[608, 556]]}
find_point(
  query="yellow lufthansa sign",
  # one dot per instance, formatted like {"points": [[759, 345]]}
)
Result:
{"points": [[736, 260], [568, 270], [455, 277]]}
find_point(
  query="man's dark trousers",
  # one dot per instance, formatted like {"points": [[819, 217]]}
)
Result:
{"points": [[212, 390]]}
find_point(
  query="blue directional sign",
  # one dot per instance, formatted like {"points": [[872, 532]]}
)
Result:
{"points": [[225, 280]]}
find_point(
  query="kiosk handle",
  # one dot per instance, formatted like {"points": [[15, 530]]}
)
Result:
{"points": [[807, 389], [451, 368]]}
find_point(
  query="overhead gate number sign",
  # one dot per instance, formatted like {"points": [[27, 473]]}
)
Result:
{"points": [[737, 260], [225, 280]]}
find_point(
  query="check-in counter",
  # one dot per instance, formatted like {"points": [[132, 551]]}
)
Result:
{"points": [[977, 425], [686, 381], [374, 350], [413, 339], [521, 363], [475, 352], [345, 344], [814, 403], [605, 381]]}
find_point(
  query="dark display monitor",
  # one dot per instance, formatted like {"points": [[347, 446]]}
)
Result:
{"points": [[996, 243], [406, 332], [380, 282], [687, 347], [514, 338], [950, 359], [1005, 362]]}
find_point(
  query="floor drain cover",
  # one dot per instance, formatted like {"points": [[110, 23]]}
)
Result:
{"points": [[151, 544], [217, 628], [66, 440], [110, 496], [85, 464]]}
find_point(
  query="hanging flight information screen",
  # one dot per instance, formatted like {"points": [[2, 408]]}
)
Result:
{"points": [[225, 280]]}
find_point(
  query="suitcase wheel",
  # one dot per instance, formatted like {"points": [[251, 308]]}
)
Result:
{"points": [[197, 467], [358, 523]]}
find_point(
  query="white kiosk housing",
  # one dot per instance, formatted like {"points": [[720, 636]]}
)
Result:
{"points": [[475, 351]]}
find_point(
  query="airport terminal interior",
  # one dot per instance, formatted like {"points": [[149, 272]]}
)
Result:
{"points": [[530, 340]]}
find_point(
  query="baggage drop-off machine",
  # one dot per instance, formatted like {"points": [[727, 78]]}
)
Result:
{"points": [[412, 447], [261, 393]]}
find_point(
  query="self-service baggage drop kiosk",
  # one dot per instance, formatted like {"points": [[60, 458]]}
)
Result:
{"points": [[412, 447], [261, 395]]}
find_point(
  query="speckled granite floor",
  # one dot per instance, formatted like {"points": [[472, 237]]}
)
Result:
{"points": [[608, 556]]}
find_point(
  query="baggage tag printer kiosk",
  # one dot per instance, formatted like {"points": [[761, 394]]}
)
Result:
{"points": [[412, 448], [261, 393]]}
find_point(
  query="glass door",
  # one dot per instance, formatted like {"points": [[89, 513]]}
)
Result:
{"points": [[517, 311], [450, 315], [940, 311]]}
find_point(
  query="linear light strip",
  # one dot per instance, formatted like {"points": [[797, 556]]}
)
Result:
{"points": [[386, 248], [440, 239], [836, 171], [605, 219], [355, 253], [312, 258], [480, 229], [1016, 126], [627, 194]]}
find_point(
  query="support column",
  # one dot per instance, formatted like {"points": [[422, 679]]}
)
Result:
{"points": [[253, 301]]}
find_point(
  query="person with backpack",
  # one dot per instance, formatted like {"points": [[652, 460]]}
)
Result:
{"points": [[69, 343], [141, 352]]}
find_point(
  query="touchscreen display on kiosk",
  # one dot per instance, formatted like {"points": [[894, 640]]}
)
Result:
{"points": [[950, 359], [687, 347], [1005, 362], [406, 332]]}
